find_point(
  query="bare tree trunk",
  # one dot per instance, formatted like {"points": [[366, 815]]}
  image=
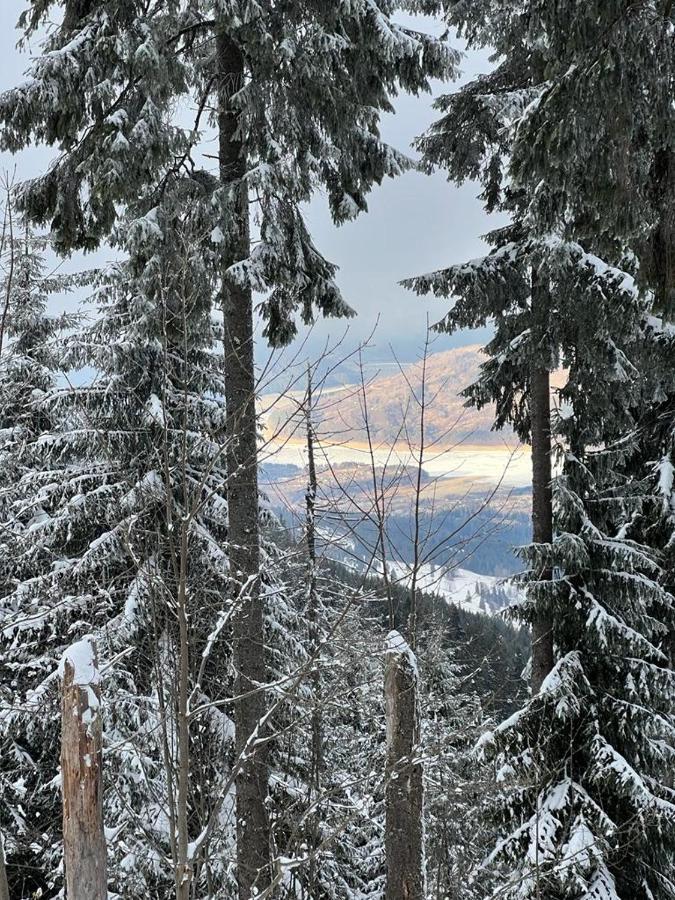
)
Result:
{"points": [[312, 616], [404, 830], [542, 502], [379, 500], [253, 838], [183, 876], [661, 271], [4, 886], [417, 506], [84, 849], [660, 263]]}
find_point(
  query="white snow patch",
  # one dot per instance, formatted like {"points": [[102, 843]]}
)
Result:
{"points": [[566, 411], [396, 645], [460, 587], [81, 657], [154, 411], [666, 473]]}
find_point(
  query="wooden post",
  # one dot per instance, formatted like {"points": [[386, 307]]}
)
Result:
{"points": [[4, 886], [404, 797], [84, 850]]}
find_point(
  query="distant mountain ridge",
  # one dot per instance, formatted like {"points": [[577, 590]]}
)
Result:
{"points": [[448, 421]]}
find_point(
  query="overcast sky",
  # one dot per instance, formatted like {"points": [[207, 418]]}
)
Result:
{"points": [[415, 223]]}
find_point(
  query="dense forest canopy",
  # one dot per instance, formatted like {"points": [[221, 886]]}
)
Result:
{"points": [[224, 674]]}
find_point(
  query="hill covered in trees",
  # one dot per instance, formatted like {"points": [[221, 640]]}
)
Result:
{"points": [[450, 422]]}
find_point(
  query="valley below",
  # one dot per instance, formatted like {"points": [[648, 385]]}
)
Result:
{"points": [[457, 488]]}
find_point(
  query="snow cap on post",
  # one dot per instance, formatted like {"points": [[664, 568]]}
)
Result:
{"points": [[396, 645], [81, 657], [84, 847], [79, 669]]}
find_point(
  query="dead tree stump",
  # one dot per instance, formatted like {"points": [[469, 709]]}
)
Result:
{"points": [[84, 850], [4, 887], [404, 796]]}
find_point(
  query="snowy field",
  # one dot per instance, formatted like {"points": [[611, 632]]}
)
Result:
{"points": [[491, 465], [461, 587]]}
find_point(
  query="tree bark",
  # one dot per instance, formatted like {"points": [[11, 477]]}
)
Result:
{"points": [[4, 886], [542, 501], [84, 850], [661, 272], [183, 874], [404, 797], [253, 840], [660, 261], [316, 767]]}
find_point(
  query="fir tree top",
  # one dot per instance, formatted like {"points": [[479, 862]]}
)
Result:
{"points": [[317, 78]]}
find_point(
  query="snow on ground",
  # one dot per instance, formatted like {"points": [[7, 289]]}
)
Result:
{"points": [[469, 590], [484, 464]]}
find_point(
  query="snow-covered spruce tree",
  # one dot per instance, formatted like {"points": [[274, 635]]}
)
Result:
{"points": [[118, 529], [296, 92], [475, 139], [458, 785], [596, 736], [554, 304], [29, 368], [614, 184], [593, 342], [610, 185], [610, 179], [29, 354], [586, 808]]}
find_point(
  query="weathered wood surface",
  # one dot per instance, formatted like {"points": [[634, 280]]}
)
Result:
{"points": [[84, 849], [404, 798]]}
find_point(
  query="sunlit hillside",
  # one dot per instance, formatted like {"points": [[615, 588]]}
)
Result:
{"points": [[393, 417]]}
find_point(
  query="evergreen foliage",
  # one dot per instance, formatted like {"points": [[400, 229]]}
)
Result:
{"points": [[317, 79], [117, 459], [128, 460], [29, 372], [585, 809]]}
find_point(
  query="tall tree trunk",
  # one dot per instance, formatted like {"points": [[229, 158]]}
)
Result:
{"points": [[661, 272], [183, 874], [542, 502], [404, 797], [660, 254], [84, 852], [253, 840]]}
